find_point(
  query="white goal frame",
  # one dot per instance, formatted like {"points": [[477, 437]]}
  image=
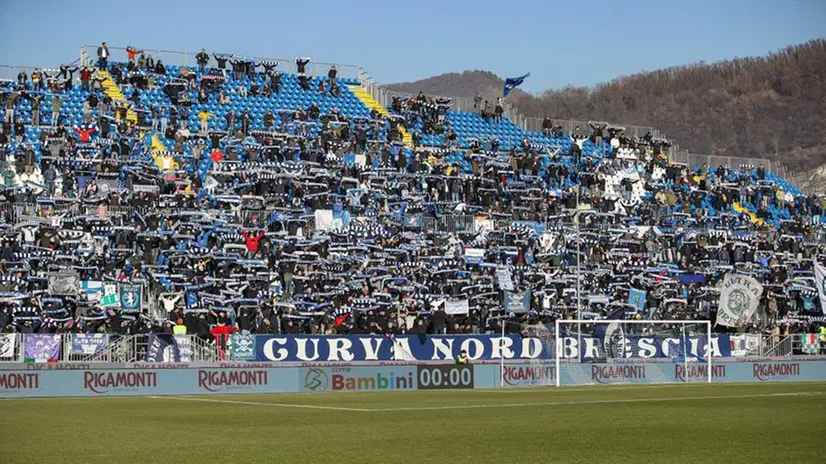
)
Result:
{"points": [[558, 341]]}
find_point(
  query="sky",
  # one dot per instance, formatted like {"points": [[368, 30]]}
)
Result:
{"points": [[559, 42]]}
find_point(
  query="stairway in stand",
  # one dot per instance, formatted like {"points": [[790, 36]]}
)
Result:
{"points": [[372, 104], [111, 89]]}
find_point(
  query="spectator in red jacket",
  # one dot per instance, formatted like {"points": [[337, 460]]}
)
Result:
{"points": [[252, 243], [85, 133]]}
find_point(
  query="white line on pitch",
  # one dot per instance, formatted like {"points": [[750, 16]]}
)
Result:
{"points": [[563, 403], [613, 387], [255, 403]]}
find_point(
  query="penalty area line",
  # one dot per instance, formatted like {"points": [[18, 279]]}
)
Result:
{"points": [[261, 403]]}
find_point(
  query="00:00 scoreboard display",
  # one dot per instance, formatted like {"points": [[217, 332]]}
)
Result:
{"points": [[444, 377]]}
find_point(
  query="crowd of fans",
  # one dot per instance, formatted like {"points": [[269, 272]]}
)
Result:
{"points": [[310, 221]]}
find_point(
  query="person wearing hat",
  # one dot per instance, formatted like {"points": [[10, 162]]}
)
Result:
{"points": [[462, 358]]}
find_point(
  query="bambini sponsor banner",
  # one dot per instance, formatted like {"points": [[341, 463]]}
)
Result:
{"points": [[320, 379], [345, 348]]}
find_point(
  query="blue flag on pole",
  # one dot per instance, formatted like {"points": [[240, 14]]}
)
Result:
{"points": [[514, 82], [636, 297]]}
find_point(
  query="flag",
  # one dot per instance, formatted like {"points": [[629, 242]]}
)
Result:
{"points": [[517, 302], [692, 278], [41, 348], [457, 306], [636, 297], [739, 297], [810, 343], [130, 297], [514, 82], [111, 297], [820, 280], [7, 344]]}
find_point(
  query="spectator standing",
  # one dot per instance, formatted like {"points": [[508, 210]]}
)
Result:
{"points": [[86, 78], [103, 56], [37, 80], [331, 76], [204, 117], [131, 53], [301, 65], [547, 126], [202, 59], [36, 99], [11, 102]]}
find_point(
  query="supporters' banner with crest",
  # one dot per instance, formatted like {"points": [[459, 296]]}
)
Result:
{"points": [[518, 302], [243, 347], [739, 297], [88, 343], [41, 348], [636, 298], [745, 344], [820, 281], [7, 342], [130, 297]]}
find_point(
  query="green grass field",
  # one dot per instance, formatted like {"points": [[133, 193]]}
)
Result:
{"points": [[695, 423]]}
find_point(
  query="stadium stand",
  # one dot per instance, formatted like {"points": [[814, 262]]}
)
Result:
{"points": [[138, 196]]}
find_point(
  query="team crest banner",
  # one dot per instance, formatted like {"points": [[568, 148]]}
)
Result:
{"points": [[243, 347], [130, 297], [739, 297]]}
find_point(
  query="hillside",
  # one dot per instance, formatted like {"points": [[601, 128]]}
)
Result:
{"points": [[464, 84], [772, 106]]}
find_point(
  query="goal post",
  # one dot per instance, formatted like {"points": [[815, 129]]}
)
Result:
{"points": [[593, 352]]}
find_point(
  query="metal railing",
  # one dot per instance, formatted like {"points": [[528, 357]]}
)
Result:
{"points": [[570, 126], [186, 58], [134, 349], [124, 349]]}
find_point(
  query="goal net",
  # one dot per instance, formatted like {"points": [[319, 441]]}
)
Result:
{"points": [[592, 352]]}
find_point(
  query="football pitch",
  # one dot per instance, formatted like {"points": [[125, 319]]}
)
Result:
{"points": [[695, 423]]}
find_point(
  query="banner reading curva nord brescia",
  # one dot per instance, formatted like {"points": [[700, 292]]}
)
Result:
{"points": [[316, 348]]}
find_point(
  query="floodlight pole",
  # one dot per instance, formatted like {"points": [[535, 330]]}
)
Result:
{"points": [[578, 275], [502, 355]]}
